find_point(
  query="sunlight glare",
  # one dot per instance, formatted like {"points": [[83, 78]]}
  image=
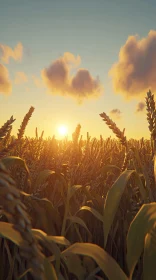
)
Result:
{"points": [[63, 130]]}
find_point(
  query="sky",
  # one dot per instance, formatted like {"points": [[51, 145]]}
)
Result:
{"points": [[72, 60]]}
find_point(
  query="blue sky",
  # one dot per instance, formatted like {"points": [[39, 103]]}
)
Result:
{"points": [[94, 30]]}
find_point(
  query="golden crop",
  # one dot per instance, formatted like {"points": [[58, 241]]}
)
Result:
{"points": [[80, 209]]}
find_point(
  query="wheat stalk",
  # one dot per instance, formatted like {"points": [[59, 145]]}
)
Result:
{"points": [[120, 134], [6, 127], [24, 123], [7, 149], [15, 211], [151, 117], [115, 129]]}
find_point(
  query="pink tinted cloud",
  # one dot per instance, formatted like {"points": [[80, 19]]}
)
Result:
{"points": [[5, 83], [115, 113], [140, 107], [59, 80], [7, 52], [135, 71]]}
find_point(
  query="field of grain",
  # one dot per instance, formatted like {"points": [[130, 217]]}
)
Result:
{"points": [[79, 209]]}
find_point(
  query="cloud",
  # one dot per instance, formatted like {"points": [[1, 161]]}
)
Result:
{"points": [[20, 78], [70, 59], [59, 80], [135, 71], [140, 107], [5, 84], [38, 82], [116, 113], [6, 53]]}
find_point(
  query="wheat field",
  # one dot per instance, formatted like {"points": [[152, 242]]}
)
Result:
{"points": [[79, 209]]}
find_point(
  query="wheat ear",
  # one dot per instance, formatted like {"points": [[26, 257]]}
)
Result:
{"points": [[15, 211], [6, 127], [24, 123], [115, 129]]}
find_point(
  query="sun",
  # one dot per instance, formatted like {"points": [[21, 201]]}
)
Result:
{"points": [[63, 130]]}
